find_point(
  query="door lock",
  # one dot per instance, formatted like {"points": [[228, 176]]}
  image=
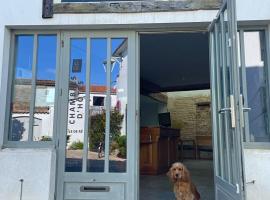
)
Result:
{"points": [[231, 110]]}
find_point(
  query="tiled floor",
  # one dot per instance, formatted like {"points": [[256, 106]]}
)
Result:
{"points": [[159, 187]]}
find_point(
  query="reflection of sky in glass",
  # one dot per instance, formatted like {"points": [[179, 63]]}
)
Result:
{"points": [[46, 63], [115, 44], [98, 56], [24, 56], [78, 51]]}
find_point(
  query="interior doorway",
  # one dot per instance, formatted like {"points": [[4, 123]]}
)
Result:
{"points": [[175, 114]]}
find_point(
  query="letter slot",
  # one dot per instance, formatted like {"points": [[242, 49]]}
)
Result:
{"points": [[94, 188]]}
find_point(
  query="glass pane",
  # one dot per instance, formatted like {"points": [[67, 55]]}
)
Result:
{"points": [[97, 116], [219, 99], [256, 83], [118, 119], [21, 95], [229, 91], [45, 88], [76, 105]]}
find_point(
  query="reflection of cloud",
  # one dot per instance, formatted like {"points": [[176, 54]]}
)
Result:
{"points": [[51, 70], [23, 73]]}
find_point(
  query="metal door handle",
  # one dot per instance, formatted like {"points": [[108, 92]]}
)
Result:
{"points": [[246, 109], [251, 182], [223, 110]]}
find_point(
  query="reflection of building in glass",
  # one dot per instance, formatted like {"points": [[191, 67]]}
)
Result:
{"points": [[121, 82], [43, 112], [44, 109], [76, 112]]}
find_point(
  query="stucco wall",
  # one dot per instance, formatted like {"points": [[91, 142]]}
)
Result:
{"points": [[257, 167], [35, 166]]}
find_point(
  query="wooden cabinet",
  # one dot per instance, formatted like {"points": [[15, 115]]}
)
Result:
{"points": [[158, 149]]}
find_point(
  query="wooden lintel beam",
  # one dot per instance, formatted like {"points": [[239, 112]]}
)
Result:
{"points": [[136, 6]]}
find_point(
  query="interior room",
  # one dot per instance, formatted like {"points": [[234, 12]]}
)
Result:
{"points": [[175, 114]]}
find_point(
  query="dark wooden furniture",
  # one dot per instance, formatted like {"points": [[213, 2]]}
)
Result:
{"points": [[187, 145], [158, 149], [203, 143]]}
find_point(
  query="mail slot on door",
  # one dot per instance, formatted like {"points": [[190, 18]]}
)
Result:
{"points": [[94, 188], [97, 191]]}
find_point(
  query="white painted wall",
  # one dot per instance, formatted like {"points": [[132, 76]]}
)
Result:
{"points": [[39, 178], [35, 166], [257, 166]]}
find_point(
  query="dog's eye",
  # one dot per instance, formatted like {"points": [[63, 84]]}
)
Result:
{"points": [[174, 169]]}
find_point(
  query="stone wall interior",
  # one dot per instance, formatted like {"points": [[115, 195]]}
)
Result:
{"points": [[190, 111]]}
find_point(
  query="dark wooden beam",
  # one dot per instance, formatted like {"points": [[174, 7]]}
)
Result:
{"points": [[148, 87], [47, 9], [202, 86], [136, 6]]}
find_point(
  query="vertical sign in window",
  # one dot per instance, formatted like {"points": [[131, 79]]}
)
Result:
{"points": [[97, 116], [76, 105], [118, 94], [21, 90], [45, 88]]}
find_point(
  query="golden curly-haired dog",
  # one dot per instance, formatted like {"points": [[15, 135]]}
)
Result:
{"points": [[183, 187]]}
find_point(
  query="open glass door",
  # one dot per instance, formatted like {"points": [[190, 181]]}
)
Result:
{"points": [[226, 105], [96, 133]]}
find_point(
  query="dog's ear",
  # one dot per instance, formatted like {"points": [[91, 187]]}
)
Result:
{"points": [[186, 175]]}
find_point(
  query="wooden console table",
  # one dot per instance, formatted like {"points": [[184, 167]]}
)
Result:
{"points": [[158, 149]]}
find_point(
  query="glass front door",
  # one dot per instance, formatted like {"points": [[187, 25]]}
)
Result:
{"points": [[226, 105], [97, 134]]}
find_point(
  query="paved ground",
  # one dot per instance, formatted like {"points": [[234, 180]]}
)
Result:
{"points": [[94, 163], [159, 187]]}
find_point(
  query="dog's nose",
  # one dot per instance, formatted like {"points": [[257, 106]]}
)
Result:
{"points": [[176, 175]]}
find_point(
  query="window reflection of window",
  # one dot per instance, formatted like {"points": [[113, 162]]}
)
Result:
{"points": [[98, 101], [257, 84]]}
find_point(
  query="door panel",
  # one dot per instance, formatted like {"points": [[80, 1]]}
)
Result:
{"points": [[95, 191], [226, 112], [95, 160]]}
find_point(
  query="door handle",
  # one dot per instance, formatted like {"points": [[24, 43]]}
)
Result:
{"points": [[246, 109], [223, 110], [231, 110]]}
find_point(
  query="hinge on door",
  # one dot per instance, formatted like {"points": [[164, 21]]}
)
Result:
{"points": [[56, 146], [62, 43], [229, 42], [232, 111], [237, 188]]}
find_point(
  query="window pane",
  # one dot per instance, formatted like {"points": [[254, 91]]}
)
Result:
{"points": [[118, 132], [21, 90], [97, 117], [76, 105], [257, 96], [45, 88]]}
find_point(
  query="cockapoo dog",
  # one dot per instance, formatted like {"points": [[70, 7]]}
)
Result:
{"points": [[183, 187]]}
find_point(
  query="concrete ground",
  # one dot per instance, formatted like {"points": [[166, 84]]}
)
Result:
{"points": [[159, 187]]}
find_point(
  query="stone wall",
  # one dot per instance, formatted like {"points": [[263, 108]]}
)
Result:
{"points": [[190, 111]]}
